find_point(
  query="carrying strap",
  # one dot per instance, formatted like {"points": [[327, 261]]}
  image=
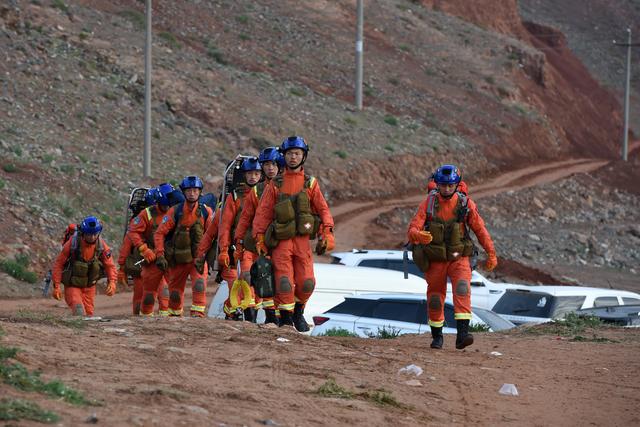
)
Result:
{"points": [[462, 207], [309, 181], [200, 212], [75, 248]]}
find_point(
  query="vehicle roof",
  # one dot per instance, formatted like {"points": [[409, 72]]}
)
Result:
{"points": [[370, 253], [575, 290], [362, 273]]}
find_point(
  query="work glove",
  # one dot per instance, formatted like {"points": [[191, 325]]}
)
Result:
{"points": [[56, 294], [199, 264], [122, 277], [329, 238], [261, 248], [418, 237], [147, 253], [492, 261], [162, 263], [111, 289], [223, 257], [237, 254]]}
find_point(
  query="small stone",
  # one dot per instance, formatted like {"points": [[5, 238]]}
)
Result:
{"points": [[92, 419], [550, 213], [538, 203]]}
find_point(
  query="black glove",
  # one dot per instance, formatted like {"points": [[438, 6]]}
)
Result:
{"points": [[199, 263], [162, 263]]}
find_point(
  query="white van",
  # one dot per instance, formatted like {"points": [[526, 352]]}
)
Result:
{"points": [[334, 282]]}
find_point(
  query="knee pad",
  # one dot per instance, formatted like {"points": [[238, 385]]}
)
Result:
{"points": [[199, 285], [435, 303], [175, 296], [462, 288], [308, 285], [148, 299], [285, 284]]}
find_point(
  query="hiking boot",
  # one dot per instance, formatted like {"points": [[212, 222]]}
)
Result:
{"points": [[438, 339], [464, 338], [298, 319], [250, 314], [285, 318], [270, 317]]}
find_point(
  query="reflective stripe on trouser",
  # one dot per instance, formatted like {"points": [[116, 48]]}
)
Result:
{"points": [[459, 271], [80, 300], [178, 280], [293, 272], [152, 280]]}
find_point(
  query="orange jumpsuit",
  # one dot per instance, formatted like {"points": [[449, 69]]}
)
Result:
{"points": [[81, 300], [249, 206], [459, 271], [292, 258], [178, 273], [143, 228], [233, 208]]}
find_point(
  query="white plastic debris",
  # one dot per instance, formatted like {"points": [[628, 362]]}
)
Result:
{"points": [[282, 339], [495, 353], [508, 390], [411, 370]]}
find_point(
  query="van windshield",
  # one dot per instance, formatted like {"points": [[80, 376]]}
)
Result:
{"points": [[537, 304]]}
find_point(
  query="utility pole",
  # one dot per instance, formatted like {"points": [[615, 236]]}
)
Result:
{"points": [[359, 53], [147, 93], [625, 136]]}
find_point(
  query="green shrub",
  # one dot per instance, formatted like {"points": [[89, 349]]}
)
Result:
{"points": [[389, 147], [242, 19], [338, 332], [297, 91], [2, 183], [331, 389], [390, 120], [10, 167], [217, 56], [135, 17], [244, 37], [170, 39], [60, 4], [404, 48], [47, 158], [350, 121], [478, 327], [18, 409], [341, 154], [386, 333], [382, 397], [16, 269], [68, 169]]}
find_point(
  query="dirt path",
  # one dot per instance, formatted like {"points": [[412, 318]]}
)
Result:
{"points": [[353, 218]]}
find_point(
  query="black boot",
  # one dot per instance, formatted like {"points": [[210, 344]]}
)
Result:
{"points": [[464, 338], [285, 318], [270, 317], [298, 319], [250, 314], [438, 339]]}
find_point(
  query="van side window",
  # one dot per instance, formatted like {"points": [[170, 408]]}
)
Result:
{"points": [[375, 263], [630, 301], [354, 306], [400, 311], [605, 301], [412, 268]]}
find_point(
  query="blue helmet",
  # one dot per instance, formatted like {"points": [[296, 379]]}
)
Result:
{"points": [[250, 164], [164, 190], [90, 225], [294, 142], [447, 174], [191, 182], [271, 154], [151, 197]]}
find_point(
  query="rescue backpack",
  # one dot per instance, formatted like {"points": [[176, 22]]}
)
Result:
{"points": [[79, 272], [451, 239], [262, 277], [181, 244]]}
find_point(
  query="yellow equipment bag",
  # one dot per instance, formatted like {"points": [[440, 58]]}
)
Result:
{"points": [[240, 287]]}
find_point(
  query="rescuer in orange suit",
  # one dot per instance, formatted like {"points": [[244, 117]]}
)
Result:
{"points": [[271, 162], [295, 210], [252, 173], [183, 227], [153, 283], [440, 229], [79, 265]]}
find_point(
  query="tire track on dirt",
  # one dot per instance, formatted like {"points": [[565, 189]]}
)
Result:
{"points": [[353, 218]]}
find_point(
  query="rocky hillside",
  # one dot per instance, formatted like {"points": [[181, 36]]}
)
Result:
{"points": [[449, 81]]}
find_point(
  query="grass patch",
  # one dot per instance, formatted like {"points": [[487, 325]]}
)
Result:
{"points": [[217, 56], [18, 268], [7, 352], [170, 39], [572, 325], [390, 120], [135, 17], [28, 316], [404, 48], [350, 121], [244, 37], [331, 389], [389, 147], [382, 397], [111, 96], [61, 5], [297, 91], [594, 338], [2, 183], [340, 153], [10, 168], [68, 169], [477, 327], [242, 19], [394, 81], [386, 333], [47, 158], [18, 409], [17, 151], [338, 332]]}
